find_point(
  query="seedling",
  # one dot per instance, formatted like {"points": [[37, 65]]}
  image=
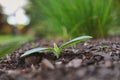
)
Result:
{"points": [[57, 49], [102, 47]]}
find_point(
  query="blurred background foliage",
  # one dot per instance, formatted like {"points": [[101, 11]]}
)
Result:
{"points": [[71, 18], [62, 19], [65, 18]]}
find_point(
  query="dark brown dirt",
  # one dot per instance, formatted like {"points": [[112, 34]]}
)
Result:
{"points": [[97, 59]]}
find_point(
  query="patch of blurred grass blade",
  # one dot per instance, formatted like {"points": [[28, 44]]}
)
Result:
{"points": [[9, 47], [10, 43]]}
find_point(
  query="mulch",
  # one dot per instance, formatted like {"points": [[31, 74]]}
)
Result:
{"points": [[95, 59]]}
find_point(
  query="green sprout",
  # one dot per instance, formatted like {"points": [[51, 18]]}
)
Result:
{"points": [[57, 50], [102, 47]]}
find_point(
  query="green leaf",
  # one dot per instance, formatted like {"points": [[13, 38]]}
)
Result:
{"points": [[56, 50], [35, 50], [76, 40]]}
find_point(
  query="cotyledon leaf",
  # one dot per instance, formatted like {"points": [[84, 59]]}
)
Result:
{"points": [[75, 40], [35, 50]]}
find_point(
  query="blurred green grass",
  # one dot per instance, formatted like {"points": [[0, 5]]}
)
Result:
{"points": [[9, 43], [72, 18], [10, 38]]}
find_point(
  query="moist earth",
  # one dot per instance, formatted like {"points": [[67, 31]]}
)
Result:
{"points": [[95, 59]]}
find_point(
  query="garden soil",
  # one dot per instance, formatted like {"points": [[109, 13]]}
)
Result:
{"points": [[95, 59]]}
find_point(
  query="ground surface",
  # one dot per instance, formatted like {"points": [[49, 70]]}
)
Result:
{"points": [[97, 59]]}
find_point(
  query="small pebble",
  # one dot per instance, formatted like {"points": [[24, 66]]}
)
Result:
{"points": [[46, 63], [58, 64], [74, 63], [108, 64]]}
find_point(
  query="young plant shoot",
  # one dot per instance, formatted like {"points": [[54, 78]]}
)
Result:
{"points": [[57, 49]]}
